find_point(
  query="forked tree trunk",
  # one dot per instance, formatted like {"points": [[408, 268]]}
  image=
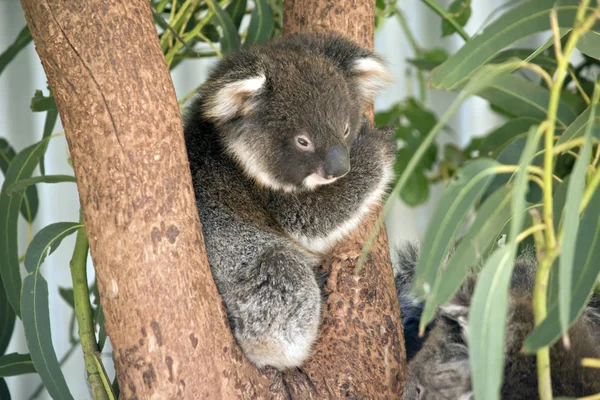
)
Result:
{"points": [[116, 100], [360, 352], [163, 313]]}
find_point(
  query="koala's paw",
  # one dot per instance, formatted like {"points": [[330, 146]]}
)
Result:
{"points": [[283, 348]]}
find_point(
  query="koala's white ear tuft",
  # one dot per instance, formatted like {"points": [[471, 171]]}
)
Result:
{"points": [[371, 76], [460, 314], [235, 98]]}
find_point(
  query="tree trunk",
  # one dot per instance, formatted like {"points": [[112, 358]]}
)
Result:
{"points": [[164, 316], [360, 352]]}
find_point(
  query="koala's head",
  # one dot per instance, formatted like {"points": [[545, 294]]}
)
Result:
{"points": [[440, 370], [288, 112]]}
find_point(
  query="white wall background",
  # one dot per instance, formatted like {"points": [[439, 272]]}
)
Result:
{"points": [[60, 202]]}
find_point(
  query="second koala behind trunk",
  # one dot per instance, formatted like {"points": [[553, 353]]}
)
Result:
{"points": [[284, 166], [438, 367]]}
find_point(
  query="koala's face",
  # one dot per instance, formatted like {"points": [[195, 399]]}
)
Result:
{"points": [[291, 125]]}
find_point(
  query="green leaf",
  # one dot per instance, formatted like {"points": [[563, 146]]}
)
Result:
{"points": [[430, 59], [36, 323], [416, 191], [460, 10], [584, 275], [487, 315], [523, 98], [16, 364], [7, 320], [589, 44], [577, 127], [571, 220], [230, 40], [23, 184], [457, 200], [51, 117], [39, 102], [67, 296], [261, 24], [21, 167], [45, 242], [29, 206], [100, 320], [237, 9], [22, 40], [497, 139], [4, 392], [491, 217], [525, 19]]}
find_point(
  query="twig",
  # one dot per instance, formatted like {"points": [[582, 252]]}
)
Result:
{"points": [[442, 13]]}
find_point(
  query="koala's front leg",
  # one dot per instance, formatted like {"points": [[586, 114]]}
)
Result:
{"points": [[321, 217], [275, 307]]}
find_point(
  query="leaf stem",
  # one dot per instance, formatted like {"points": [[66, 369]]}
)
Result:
{"points": [[416, 49], [442, 13], [83, 311]]}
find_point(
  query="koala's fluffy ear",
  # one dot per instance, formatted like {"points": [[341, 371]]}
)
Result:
{"points": [[370, 75], [232, 99]]}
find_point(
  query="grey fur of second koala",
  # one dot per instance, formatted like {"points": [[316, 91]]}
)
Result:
{"points": [[438, 363], [284, 166]]}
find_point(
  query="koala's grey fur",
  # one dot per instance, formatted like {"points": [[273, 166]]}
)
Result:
{"points": [[269, 212], [438, 367]]}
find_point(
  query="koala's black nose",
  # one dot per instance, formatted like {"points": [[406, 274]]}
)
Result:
{"points": [[337, 163]]}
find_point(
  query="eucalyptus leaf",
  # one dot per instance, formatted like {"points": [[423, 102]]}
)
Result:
{"points": [[230, 40], [51, 117], [36, 323], [7, 320], [497, 139], [45, 242], [16, 364], [589, 44], [4, 392], [460, 10], [523, 98], [21, 167], [577, 128], [39, 102], [30, 204], [483, 233], [458, 199], [22, 40], [261, 23], [523, 20], [237, 9], [23, 184], [489, 305], [577, 181]]}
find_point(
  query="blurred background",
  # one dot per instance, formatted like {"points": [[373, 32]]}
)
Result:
{"points": [[60, 202]]}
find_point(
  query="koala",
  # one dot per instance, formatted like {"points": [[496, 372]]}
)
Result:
{"points": [[284, 166], [438, 363]]}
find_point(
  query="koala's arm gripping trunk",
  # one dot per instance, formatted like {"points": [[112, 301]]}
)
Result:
{"points": [[360, 352], [164, 316]]}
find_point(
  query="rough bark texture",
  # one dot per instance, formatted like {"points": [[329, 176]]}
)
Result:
{"points": [[360, 352], [118, 107]]}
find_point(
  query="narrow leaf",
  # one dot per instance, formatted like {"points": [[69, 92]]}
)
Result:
{"points": [[36, 323], [21, 167], [51, 117], [22, 40], [487, 316], [23, 184], [39, 102], [4, 392], [261, 24], [45, 242], [523, 98], [525, 19], [237, 9], [495, 141], [577, 128], [230, 40], [7, 320], [67, 296], [571, 220], [490, 219], [589, 44], [30, 203], [457, 200], [16, 364]]}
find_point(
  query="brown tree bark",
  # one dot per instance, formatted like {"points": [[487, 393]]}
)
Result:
{"points": [[164, 316], [360, 352]]}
